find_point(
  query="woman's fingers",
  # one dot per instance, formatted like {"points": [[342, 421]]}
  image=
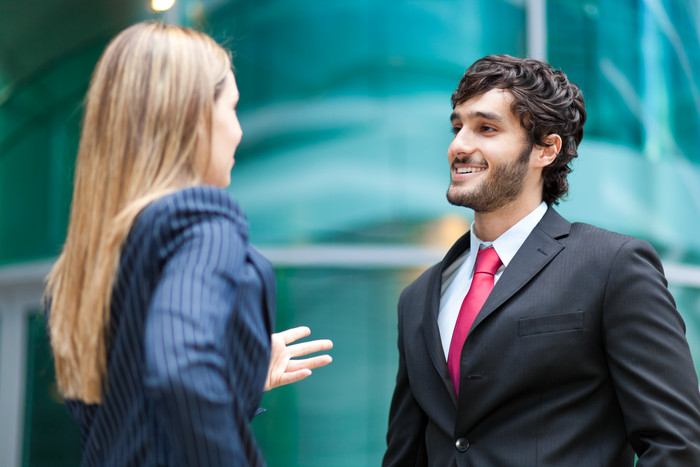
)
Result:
{"points": [[294, 334], [309, 363], [306, 348]]}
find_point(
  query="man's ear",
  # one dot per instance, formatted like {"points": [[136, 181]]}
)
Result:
{"points": [[547, 154]]}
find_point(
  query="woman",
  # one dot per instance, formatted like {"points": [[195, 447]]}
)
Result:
{"points": [[159, 310]]}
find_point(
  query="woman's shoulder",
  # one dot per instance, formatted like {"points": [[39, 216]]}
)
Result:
{"points": [[195, 200], [187, 211]]}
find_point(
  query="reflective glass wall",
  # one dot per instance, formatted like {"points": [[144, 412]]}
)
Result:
{"points": [[342, 172]]}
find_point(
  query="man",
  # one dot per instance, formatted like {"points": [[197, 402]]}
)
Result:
{"points": [[577, 356]]}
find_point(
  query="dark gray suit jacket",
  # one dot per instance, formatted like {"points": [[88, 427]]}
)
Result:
{"points": [[578, 358]]}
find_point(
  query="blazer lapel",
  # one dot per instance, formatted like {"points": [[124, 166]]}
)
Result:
{"points": [[540, 247], [430, 325]]}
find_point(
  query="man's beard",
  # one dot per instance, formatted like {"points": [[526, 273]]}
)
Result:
{"points": [[503, 184]]}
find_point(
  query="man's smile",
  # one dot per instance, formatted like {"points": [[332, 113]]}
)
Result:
{"points": [[462, 170], [469, 170]]}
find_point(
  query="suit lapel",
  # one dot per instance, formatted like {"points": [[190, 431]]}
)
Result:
{"points": [[430, 325], [540, 247]]}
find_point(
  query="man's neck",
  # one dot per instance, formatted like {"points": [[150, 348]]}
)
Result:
{"points": [[489, 226]]}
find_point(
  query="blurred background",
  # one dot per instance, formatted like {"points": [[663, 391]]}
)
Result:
{"points": [[342, 171]]}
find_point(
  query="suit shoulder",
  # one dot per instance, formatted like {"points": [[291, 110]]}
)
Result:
{"points": [[172, 219], [588, 232], [196, 202], [191, 206], [608, 242]]}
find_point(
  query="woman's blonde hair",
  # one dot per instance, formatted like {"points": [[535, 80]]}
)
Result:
{"points": [[147, 117]]}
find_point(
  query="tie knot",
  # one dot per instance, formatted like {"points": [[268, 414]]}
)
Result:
{"points": [[487, 261]]}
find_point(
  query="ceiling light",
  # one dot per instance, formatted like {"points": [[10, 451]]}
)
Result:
{"points": [[162, 5]]}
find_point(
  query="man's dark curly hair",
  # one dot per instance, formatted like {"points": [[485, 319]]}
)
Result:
{"points": [[546, 103]]}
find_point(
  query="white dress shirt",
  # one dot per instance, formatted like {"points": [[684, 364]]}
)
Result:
{"points": [[457, 277]]}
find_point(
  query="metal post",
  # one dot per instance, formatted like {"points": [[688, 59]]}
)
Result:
{"points": [[21, 289], [13, 345], [536, 12]]}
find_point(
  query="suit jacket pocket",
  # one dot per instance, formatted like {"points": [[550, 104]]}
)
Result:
{"points": [[570, 321]]}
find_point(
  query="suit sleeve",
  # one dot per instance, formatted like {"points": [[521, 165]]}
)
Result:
{"points": [[650, 361], [407, 422], [185, 344]]}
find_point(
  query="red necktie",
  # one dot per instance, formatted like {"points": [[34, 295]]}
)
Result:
{"points": [[487, 263]]}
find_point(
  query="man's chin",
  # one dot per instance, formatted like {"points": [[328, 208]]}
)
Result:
{"points": [[456, 198], [481, 203]]}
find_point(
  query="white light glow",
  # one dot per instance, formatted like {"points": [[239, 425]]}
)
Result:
{"points": [[162, 5]]}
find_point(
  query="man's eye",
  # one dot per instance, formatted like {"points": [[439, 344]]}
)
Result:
{"points": [[487, 129], [454, 130]]}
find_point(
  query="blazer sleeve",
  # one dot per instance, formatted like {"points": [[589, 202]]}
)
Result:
{"points": [[650, 361], [407, 421], [186, 376]]}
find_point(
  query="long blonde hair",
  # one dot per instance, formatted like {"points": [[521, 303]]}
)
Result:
{"points": [[147, 117]]}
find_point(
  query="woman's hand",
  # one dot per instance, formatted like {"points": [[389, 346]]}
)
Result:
{"points": [[283, 370]]}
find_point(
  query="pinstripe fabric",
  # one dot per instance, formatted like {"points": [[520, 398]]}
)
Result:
{"points": [[192, 312]]}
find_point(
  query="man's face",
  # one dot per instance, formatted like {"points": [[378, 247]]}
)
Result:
{"points": [[489, 155]]}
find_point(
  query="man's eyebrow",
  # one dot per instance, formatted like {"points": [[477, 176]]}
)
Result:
{"points": [[479, 114]]}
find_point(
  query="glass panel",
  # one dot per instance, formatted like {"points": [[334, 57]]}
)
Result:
{"points": [[338, 416], [345, 107], [688, 302], [51, 439]]}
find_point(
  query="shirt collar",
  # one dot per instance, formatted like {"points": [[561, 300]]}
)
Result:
{"points": [[508, 244]]}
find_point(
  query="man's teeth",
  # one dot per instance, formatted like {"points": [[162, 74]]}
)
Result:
{"points": [[470, 170]]}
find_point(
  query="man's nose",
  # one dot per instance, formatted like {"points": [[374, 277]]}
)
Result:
{"points": [[462, 143]]}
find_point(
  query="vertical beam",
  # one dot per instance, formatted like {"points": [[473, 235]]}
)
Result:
{"points": [[13, 346], [173, 15], [536, 13], [21, 289]]}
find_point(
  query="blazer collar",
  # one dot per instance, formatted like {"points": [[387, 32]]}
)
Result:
{"points": [[540, 247]]}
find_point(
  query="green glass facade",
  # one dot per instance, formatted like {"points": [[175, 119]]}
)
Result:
{"points": [[345, 113]]}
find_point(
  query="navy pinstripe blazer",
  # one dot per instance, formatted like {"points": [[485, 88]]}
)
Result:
{"points": [[191, 315]]}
